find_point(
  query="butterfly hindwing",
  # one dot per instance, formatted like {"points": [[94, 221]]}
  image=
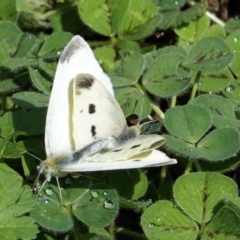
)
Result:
{"points": [[152, 158]]}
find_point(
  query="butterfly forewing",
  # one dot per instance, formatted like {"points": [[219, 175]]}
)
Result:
{"points": [[76, 58]]}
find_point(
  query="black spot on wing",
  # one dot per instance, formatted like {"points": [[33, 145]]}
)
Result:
{"points": [[91, 108], [135, 146], [84, 81], [117, 150], [73, 46], [93, 130]]}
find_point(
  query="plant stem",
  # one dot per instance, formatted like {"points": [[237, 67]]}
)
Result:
{"points": [[189, 165], [111, 231], [155, 108], [173, 101], [197, 166], [130, 233], [195, 85], [76, 234], [163, 175]]}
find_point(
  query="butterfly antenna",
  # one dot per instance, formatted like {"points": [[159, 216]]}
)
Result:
{"points": [[24, 151]]}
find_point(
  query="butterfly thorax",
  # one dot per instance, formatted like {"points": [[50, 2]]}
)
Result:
{"points": [[128, 134], [52, 165]]}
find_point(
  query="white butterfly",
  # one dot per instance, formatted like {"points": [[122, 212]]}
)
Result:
{"points": [[85, 127]]}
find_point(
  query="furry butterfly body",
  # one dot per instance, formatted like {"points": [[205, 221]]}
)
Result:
{"points": [[85, 128]]}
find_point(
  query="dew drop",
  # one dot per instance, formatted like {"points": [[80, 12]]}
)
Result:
{"points": [[230, 88], [49, 191], [94, 194], [235, 39], [108, 204], [151, 225], [159, 219], [47, 200], [105, 193]]}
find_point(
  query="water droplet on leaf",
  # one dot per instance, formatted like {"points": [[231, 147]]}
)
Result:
{"points": [[109, 204], [94, 194]]}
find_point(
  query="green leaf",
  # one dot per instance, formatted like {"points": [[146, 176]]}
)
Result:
{"points": [[8, 85], [232, 91], [191, 13], [227, 229], [94, 204], [53, 43], [187, 122], [150, 127], [8, 30], [166, 220], [194, 30], [208, 55], [98, 206], [200, 195], [150, 58], [132, 101], [26, 46], [65, 18], [128, 45], [9, 39], [39, 80], [221, 166], [233, 41], [50, 215], [128, 72], [134, 183], [132, 20], [10, 150], [182, 147], [28, 100], [6, 125], [215, 82], [30, 123], [214, 148], [221, 110], [163, 77], [168, 19], [16, 64], [105, 55], [90, 10], [16, 201], [8, 8], [232, 25], [215, 31], [170, 4]]}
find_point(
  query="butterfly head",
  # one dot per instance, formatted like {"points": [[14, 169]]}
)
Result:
{"points": [[51, 167]]}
